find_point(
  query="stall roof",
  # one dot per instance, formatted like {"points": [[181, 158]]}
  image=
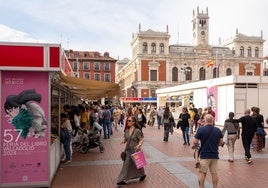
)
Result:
{"points": [[89, 89]]}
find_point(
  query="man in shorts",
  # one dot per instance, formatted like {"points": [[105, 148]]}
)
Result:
{"points": [[210, 138]]}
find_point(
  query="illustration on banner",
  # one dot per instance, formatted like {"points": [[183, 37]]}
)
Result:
{"points": [[25, 114]]}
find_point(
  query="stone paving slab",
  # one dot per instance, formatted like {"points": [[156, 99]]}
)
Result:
{"points": [[170, 165]]}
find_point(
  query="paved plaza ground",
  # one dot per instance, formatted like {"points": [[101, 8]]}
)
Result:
{"points": [[169, 165]]}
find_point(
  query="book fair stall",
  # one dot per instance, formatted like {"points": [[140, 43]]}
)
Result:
{"points": [[36, 82], [30, 154]]}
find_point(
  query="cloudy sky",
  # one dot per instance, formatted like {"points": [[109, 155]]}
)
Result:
{"points": [[108, 25]]}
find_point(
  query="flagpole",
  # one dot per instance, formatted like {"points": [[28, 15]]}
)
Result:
{"points": [[217, 67]]}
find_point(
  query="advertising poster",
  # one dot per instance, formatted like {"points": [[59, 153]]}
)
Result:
{"points": [[212, 98], [24, 127]]}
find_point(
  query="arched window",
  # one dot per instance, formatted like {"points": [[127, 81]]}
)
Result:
{"points": [[188, 73], [144, 47], [174, 74], [228, 71], [242, 51], [265, 72], [153, 46], [162, 49], [256, 52], [249, 52], [202, 73]]}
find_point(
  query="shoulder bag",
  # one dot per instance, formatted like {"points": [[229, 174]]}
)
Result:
{"points": [[210, 131], [123, 154]]}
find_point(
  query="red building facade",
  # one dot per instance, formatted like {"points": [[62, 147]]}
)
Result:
{"points": [[92, 65]]}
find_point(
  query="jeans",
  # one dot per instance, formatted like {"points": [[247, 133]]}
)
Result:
{"points": [[159, 121], [166, 131], [106, 128], [67, 149], [185, 134]]}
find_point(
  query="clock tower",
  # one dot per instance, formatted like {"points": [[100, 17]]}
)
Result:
{"points": [[200, 28]]}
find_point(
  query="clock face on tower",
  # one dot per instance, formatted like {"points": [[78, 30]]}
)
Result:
{"points": [[202, 32]]}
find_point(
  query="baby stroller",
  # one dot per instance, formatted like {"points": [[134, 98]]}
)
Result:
{"points": [[92, 139]]}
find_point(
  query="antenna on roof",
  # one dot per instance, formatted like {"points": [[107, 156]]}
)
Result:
{"points": [[68, 43]]}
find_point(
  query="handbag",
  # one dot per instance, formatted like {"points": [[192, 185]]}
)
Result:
{"points": [[123, 155], [171, 130], [225, 137], [139, 159], [261, 131]]}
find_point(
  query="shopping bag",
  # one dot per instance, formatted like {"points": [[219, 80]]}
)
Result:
{"points": [[225, 137], [139, 159]]}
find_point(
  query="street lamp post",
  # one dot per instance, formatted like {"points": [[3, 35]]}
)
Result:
{"points": [[186, 71]]}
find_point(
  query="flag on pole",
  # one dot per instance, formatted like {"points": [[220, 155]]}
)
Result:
{"points": [[209, 64]]}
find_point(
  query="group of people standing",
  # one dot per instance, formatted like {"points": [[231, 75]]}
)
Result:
{"points": [[210, 137], [81, 118]]}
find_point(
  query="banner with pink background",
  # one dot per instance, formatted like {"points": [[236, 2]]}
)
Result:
{"points": [[24, 127], [212, 100]]}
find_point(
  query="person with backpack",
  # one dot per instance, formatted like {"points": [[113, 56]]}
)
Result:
{"points": [[167, 122]]}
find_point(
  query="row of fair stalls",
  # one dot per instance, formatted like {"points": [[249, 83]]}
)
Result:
{"points": [[31, 101], [225, 94], [36, 81]]}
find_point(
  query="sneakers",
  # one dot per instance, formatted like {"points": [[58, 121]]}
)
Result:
{"points": [[121, 183], [249, 161], [67, 162], [142, 178]]}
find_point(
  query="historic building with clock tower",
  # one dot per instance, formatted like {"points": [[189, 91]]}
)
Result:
{"points": [[156, 64]]}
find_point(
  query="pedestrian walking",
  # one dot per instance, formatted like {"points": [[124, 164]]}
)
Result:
{"points": [[167, 121], [133, 138], [159, 115], [231, 128], [141, 119], [184, 125], [151, 117], [210, 138], [249, 127], [259, 138], [107, 130]]}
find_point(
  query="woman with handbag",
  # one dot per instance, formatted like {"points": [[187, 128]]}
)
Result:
{"points": [[231, 130], [133, 138]]}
